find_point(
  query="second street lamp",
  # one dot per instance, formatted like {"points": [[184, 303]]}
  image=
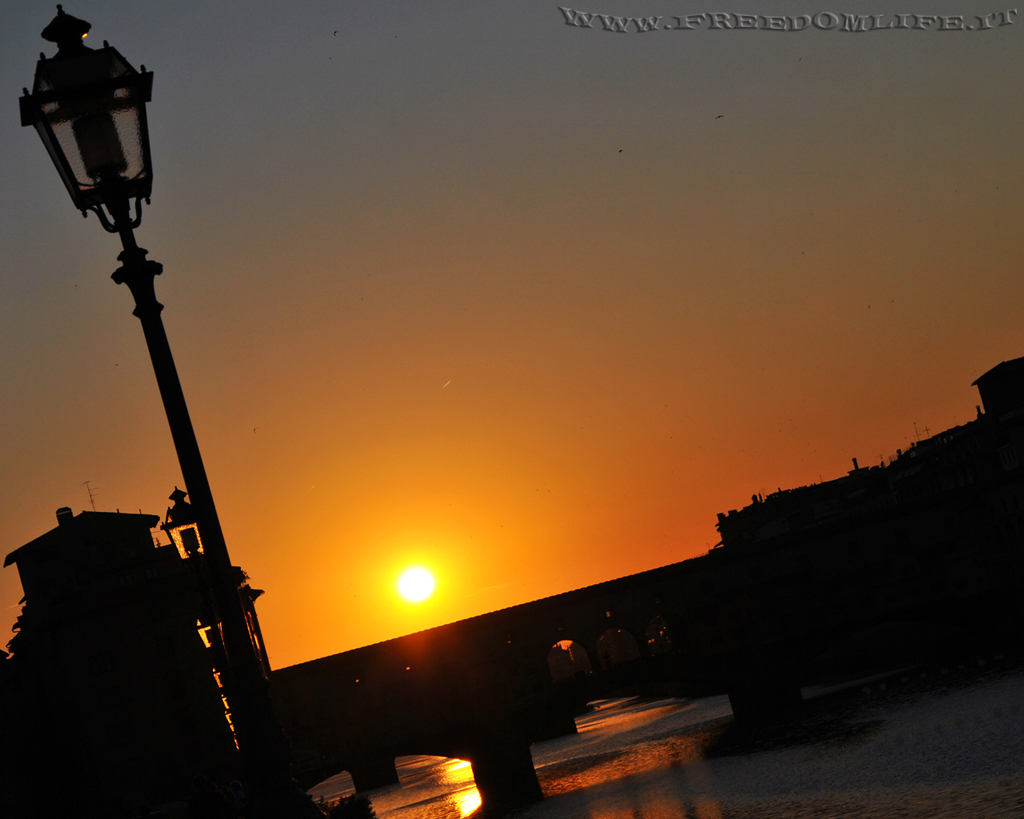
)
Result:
{"points": [[88, 106]]}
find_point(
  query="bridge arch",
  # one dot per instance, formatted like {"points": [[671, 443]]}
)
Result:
{"points": [[330, 788], [567, 659], [616, 646]]}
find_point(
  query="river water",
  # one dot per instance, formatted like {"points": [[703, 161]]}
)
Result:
{"points": [[917, 744]]}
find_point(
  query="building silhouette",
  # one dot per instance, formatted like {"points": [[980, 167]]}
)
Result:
{"points": [[110, 694], [977, 457], [932, 535]]}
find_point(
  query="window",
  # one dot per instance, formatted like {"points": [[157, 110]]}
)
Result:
{"points": [[1008, 457]]}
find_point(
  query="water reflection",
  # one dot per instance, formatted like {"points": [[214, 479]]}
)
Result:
{"points": [[430, 787], [467, 801], [451, 768], [912, 752]]}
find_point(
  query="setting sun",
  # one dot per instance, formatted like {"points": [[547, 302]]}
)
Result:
{"points": [[416, 585]]}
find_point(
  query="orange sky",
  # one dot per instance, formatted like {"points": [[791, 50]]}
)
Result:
{"points": [[467, 288]]}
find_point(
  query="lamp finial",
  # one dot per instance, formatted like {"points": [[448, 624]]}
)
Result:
{"points": [[67, 32]]}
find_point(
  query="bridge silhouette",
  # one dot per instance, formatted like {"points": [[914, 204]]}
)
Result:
{"points": [[889, 565], [753, 624]]}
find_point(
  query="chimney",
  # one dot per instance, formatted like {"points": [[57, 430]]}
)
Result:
{"points": [[1002, 388], [65, 515], [855, 467]]}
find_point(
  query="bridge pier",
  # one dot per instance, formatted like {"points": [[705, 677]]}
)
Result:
{"points": [[505, 776], [371, 774]]}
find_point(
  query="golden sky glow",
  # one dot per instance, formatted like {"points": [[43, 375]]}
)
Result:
{"points": [[462, 287]]}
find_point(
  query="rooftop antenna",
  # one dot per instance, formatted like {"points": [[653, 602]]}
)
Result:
{"points": [[916, 433], [92, 495]]}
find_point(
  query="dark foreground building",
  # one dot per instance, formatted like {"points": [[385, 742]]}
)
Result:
{"points": [[109, 696]]}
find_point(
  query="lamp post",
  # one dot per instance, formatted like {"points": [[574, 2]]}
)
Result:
{"points": [[88, 106]]}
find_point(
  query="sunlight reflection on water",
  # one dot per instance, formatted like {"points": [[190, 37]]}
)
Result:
{"points": [[467, 801], [430, 787], [940, 752]]}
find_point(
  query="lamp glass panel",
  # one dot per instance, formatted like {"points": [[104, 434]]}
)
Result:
{"points": [[98, 130], [187, 541]]}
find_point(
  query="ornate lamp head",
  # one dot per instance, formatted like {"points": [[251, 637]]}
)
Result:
{"points": [[181, 525], [89, 108]]}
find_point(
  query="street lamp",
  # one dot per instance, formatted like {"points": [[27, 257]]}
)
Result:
{"points": [[182, 527], [89, 107]]}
